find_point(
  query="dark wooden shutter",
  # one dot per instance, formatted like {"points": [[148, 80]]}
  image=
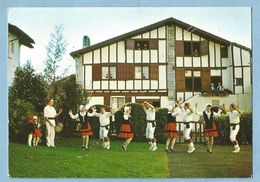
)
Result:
{"points": [[204, 48], [130, 44], [153, 44], [180, 79], [128, 99], [179, 48], [125, 72], [224, 52], [205, 79], [96, 72], [154, 75]]}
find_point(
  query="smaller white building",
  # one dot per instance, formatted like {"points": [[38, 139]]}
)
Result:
{"points": [[16, 38]]}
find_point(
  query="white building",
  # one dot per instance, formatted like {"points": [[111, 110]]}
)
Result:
{"points": [[163, 62], [16, 38]]}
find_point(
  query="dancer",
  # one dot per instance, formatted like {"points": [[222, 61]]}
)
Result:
{"points": [[125, 129], [187, 118], [104, 120], [50, 114], [150, 127], [84, 125], [37, 132], [210, 127], [30, 129], [234, 117], [170, 127]]}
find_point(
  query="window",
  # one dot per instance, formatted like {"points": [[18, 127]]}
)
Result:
{"points": [[141, 44], [197, 81], [215, 80], [141, 72], [116, 102], [188, 80], [193, 80], [239, 81], [195, 49], [224, 52], [191, 48], [108, 72], [187, 48]]}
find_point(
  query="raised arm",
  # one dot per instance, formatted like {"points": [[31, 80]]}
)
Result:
{"points": [[238, 110], [73, 116]]}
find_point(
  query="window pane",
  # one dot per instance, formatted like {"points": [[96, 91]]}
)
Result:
{"points": [[188, 84], [187, 48], [112, 72], [188, 74], [196, 73], [141, 44], [197, 84], [145, 73], [105, 74], [196, 48], [138, 72]]}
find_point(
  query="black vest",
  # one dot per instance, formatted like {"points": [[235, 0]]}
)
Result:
{"points": [[170, 118], [83, 121], [126, 121], [208, 121]]}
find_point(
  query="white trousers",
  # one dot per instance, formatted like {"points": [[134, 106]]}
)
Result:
{"points": [[186, 132], [149, 131], [50, 135], [103, 132], [233, 133]]}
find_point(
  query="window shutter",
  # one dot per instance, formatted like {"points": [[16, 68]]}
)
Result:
{"points": [[130, 44], [205, 79], [153, 44], [180, 79], [96, 72], [204, 48], [125, 71], [179, 48], [154, 72], [224, 52]]}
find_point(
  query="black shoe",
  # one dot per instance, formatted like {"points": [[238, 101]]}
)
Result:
{"points": [[123, 147], [82, 147], [166, 150], [172, 150]]}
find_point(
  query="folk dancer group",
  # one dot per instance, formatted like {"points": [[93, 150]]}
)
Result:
{"points": [[126, 131]]}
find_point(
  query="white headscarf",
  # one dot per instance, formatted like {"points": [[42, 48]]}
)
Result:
{"points": [[81, 107], [170, 107], [35, 117], [126, 109]]}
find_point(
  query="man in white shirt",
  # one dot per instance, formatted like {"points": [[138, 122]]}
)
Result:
{"points": [[234, 119], [104, 120], [150, 127], [50, 114], [187, 118]]}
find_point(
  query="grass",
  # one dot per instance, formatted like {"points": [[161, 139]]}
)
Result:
{"points": [[222, 163], [67, 160]]}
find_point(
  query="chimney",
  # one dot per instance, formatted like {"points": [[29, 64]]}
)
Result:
{"points": [[86, 41]]}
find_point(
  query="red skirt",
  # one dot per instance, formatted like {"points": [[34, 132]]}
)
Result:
{"points": [[85, 131], [37, 133], [125, 131], [211, 132], [170, 130]]}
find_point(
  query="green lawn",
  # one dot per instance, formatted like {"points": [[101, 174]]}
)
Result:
{"points": [[67, 160]]}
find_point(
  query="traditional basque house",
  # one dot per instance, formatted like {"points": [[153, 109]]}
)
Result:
{"points": [[16, 38], [162, 62]]}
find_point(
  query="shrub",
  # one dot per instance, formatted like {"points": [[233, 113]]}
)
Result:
{"points": [[245, 133], [18, 111]]}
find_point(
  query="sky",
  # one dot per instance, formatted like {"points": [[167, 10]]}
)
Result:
{"points": [[100, 24]]}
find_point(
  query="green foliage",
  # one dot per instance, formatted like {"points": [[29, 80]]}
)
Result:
{"points": [[245, 133], [18, 111], [55, 49], [69, 96], [29, 86], [26, 95]]}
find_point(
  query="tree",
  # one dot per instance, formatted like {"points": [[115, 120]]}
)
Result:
{"points": [[56, 49], [29, 86]]}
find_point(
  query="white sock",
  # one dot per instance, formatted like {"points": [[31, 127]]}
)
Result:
{"points": [[167, 143], [191, 144], [29, 141], [236, 146]]}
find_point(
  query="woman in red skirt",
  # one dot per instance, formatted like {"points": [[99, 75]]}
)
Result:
{"points": [[210, 127], [85, 128], [125, 129], [170, 127]]}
